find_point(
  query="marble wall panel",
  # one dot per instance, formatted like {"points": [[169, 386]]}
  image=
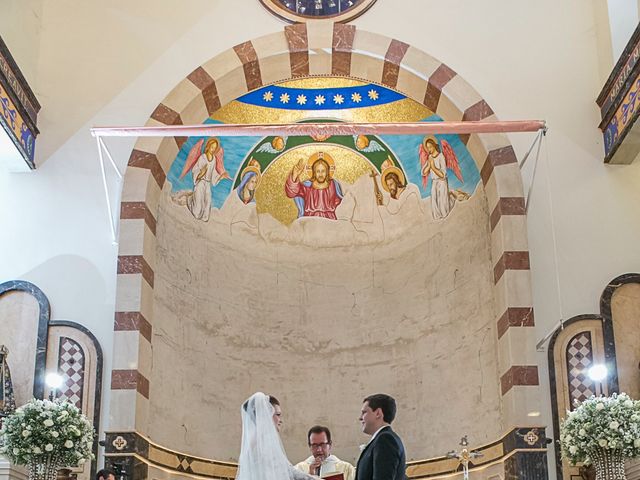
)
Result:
{"points": [[625, 311], [19, 312]]}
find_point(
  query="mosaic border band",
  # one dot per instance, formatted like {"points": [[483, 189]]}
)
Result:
{"points": [[520, 445]]}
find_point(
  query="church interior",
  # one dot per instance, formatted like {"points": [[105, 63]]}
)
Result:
{"points": [[442, 211]]}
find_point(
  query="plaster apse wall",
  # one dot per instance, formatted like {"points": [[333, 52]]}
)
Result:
{"points": [[85, 75], [320, 326]]}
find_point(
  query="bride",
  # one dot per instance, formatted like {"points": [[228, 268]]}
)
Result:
{"points": [[262, 456]]}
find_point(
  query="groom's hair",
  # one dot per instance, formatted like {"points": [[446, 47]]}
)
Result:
{"points": [[386, 402], [319, 429]]}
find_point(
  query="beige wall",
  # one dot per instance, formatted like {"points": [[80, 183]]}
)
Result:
{"points": [[322, 325], [20, 29]]}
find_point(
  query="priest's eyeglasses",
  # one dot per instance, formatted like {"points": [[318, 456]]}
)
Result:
{"points": [[318, 445]]}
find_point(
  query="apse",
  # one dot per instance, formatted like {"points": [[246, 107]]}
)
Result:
{"points": [[320, 270]]}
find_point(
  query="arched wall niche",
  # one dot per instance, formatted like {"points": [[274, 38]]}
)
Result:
{"points": [[36, 341], [301, 51], [572, 351], [25, 313], [584, 340], [619, 304], [76, 355]]}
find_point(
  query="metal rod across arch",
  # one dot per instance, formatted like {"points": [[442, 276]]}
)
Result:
{"points": [[337, 128]]}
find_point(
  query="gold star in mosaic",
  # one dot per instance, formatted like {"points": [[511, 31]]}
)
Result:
{"points": [[356, 97], [267, 97], [373, 95], [301, 99], [319, 99], [284, 98], [338, 99]]}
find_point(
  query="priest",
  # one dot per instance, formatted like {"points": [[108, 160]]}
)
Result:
{"points": [[322, 462]]}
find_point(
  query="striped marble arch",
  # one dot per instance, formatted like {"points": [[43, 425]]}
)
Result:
{"points": [[317, 49]]}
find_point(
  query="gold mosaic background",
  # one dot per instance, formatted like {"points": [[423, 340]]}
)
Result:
{"points": [[270, 195], [405, 110]]}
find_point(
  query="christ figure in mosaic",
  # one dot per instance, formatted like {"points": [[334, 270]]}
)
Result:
{"points": [[321, 194]]}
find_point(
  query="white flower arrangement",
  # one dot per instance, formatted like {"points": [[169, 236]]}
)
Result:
{"points": [[47, 428], [609, 423]]}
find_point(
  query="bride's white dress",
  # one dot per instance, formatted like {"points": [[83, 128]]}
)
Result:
{"points": [[262, 456]]}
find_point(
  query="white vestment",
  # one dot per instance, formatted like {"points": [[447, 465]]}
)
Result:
{"points": [[330, 465]]}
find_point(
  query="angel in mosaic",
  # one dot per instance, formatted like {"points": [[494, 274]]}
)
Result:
{"points": [[277, 145], [207, 169], [436, 159], [364, 144]]}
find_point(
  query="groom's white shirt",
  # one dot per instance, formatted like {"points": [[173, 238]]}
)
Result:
{"points": [[377, 432], [331, 464]]}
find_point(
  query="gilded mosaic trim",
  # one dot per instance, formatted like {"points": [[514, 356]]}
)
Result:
{"points": [[518, 440], [622, 120], [18, 106], [13, 80], [625, 68], [15, 126]]}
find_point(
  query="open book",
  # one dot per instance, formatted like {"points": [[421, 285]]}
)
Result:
{"points": [[334, 476]]}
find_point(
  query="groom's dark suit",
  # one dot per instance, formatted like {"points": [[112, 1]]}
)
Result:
{"points": [[383, 458]]}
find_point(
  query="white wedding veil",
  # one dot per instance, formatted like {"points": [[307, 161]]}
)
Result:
{"points": [[262, 456]]}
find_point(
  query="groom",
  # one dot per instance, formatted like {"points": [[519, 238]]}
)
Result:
{"points": [[383, 457]]}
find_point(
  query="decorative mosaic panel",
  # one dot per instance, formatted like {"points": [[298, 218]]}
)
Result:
{"points": [[71, 363], [293, 177], [18, 106], [618, 103], [579, 360], [13, 122], [623, 118]]}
